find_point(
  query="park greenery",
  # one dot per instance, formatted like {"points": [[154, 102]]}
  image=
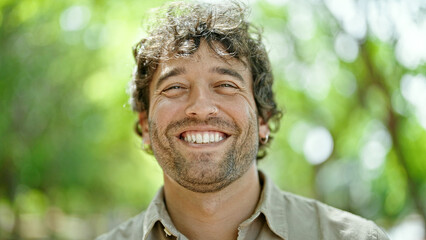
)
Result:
{"points": [[349, 76]]}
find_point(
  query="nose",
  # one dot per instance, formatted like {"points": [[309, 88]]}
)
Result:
{"points": [[201, 104]]}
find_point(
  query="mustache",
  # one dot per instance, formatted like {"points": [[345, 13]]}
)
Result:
{"points": [[212, 121]]}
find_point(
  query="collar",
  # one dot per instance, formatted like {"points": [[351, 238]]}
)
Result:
{"points": [[155, 212], [271, 205]]}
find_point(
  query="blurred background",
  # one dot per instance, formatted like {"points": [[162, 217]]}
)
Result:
{"points": [[349, 74]]}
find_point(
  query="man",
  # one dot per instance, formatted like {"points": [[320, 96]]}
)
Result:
{"points": [[203, 90]]}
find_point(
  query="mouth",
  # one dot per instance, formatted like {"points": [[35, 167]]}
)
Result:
{"points": [[203, 137]]}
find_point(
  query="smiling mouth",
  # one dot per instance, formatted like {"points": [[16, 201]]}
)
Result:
{"points": [[203, 137]]}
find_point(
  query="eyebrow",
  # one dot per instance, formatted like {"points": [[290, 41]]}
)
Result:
{"points": [[173, 72], [227, 71]]}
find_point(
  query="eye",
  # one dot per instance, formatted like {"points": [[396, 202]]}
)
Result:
{"points": [[227, 85], [174, 90], [227, 88]]}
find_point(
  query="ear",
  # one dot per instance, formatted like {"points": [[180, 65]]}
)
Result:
{"points": [[263, 129], [143, 122]]}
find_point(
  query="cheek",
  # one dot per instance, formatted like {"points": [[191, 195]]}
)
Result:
{"points": [[242, 111], [164, 112]]}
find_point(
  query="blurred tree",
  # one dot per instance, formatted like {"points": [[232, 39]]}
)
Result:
{"points": [[350, 75]]}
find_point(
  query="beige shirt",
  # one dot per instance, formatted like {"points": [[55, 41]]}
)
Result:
{"points": [[278, 215]]}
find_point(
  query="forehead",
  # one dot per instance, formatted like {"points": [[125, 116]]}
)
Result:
{"points": [[212, 48], [205, 58]]}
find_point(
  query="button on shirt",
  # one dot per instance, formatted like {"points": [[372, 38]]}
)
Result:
{"points": [[278, 215]]}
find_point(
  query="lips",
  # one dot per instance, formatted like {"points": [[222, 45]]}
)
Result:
{"points": [[202, 137]]}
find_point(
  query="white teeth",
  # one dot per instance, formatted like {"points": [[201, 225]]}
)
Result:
{"points": [[203, 137], [206, 138], [199, 138]]}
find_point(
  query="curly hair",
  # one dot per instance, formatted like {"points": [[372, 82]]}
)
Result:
{"points": [[177, 31]]}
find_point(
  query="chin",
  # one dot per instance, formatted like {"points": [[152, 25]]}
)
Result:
{"points": [[203, 187], [206, 179]]}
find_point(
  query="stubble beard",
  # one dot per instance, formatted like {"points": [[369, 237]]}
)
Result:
{"points": [[203, 172]]}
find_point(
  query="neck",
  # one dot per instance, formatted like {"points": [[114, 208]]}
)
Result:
{"points": [[214, 215]]}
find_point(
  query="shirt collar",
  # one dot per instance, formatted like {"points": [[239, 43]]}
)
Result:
{"points": [[155, 212], [272, 205]]}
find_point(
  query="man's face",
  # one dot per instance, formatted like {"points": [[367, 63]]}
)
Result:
{"points": [[203, 123]]}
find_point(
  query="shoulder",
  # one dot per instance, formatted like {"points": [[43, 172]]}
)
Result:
{"points": [[131, 229], [327, 222]]}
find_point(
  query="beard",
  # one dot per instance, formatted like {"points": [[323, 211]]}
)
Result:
{"points": [[208, 171]]}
